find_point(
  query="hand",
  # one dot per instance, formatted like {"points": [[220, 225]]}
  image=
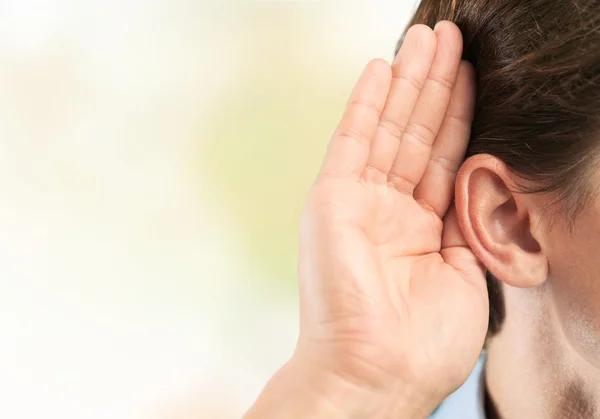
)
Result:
{"points": [[393, 302]]}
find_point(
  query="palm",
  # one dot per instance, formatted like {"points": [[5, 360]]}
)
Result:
{"points": [[381, 254], [405, 278]]}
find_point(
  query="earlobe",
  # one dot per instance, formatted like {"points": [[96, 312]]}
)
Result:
{"points": [[496, 222]]}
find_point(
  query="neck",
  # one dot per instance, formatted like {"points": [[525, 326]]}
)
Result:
{"points": [[532, 371]]}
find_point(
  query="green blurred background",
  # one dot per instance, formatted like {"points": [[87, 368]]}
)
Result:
{"points": [[154, 160]]}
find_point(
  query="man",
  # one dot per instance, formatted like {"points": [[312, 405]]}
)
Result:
{"points": [[393, 312], [399, 230]]}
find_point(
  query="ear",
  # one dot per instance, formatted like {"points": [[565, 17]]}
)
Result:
{"points": [[497, 222]]}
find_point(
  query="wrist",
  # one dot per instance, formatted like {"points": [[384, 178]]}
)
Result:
{"points": [[304, 390]]}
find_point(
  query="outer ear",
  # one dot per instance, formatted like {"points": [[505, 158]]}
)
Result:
{"points": [[496, 222]]}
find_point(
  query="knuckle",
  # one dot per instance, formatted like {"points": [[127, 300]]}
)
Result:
{"points": [[430, 210], [375, 174], [445, 163], [352, 134], [442, 80], [409, 79], [366, 104], [402, 183], [392, 127], [461, 119], [420, 133]]}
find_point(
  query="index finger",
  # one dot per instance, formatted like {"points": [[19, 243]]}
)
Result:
{"points": [[436, 189], [351, 143], [426, 119]]}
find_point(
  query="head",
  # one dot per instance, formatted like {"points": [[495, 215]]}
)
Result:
{"points": [[527, 194]]}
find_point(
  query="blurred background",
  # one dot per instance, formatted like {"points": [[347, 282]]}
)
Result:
{"points": [[154, 160]]}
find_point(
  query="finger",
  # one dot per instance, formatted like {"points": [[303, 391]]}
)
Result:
{"points": [[409, 72], [426, 119], [436, 188], [456, 252], [351, 143]]}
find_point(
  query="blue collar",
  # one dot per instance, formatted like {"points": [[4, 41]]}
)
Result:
{"points": [[468, 402]]}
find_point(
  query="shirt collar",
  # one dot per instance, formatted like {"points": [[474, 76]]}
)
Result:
{"points": [[468, 402]]}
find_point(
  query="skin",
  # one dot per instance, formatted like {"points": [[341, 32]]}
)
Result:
{"points": [[545, 361], [394, 238], [393, 302]]}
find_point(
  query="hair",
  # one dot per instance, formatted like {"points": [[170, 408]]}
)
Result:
{"points": [[538, 95]]}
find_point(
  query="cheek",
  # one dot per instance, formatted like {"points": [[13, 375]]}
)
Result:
{"points": [[576, 303], [575, 291]]}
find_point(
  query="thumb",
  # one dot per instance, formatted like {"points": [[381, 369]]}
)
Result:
{"points": [[457, 253]]}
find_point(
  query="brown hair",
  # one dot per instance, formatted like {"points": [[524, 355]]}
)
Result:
{"points": [[538, 94]]}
